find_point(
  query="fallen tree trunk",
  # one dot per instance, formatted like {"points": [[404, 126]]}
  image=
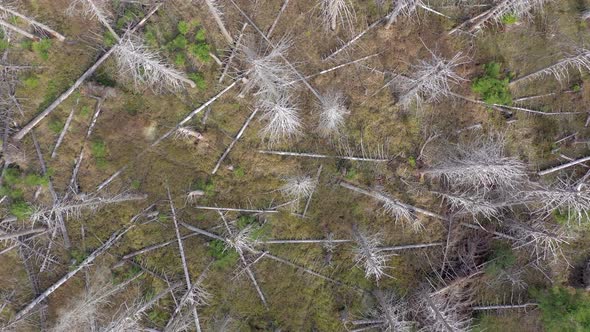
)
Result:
{"points": [[52, 32]]}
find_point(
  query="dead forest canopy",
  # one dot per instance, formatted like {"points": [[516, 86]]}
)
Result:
{"points": [[294, 165]]}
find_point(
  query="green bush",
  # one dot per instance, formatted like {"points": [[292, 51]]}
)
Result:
{"points": [[198, 79], [501, 259], [564, 309], [21, 209], [99, 149], [200, 51], [183, 27], [509, 19], [12, 175], [180, 60], [239, 172], [42, 48], [36, 180], [178, 43], [200, 35], [85, 111], [108, 39], [492, 88], [224, 257]]}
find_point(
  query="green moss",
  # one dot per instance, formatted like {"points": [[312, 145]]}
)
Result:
{"points": [[42, 47], [31, 82], [56, 125], [99, 151], [492, 87], [239, 172], [135, 184], [85, 111], [199, 80], [564, 309], [183, 27]]}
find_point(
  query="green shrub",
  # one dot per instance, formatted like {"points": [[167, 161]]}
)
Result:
{"points": [[564, 309], [224, 257], [180, 60], [509, 19], [412, 161], [492, 88], [31, 82], [56, 126], [21, 209], [26, 44], [36, 180], [151, 39], [183, 27], [12, 175], [108, 39], [245, 220], [78, 256], [3, 44], [99, 149], [178, 43], [501, 259], [135, 184], [198, 79], [42, 48], [200, 51], [200, 35]]}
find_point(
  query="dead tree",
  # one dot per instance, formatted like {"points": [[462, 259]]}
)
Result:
{"points": [[194, 292], [579, 61], [563, 197], [337, 10], [493, 16], [378, 159], [396, 209], [545, 239], [445, 310], [74, 207], [564, 166], [392, 314], [215, 11], [407, 9], [281, 116], [234, 141], [369, 256], [297, 188], [474, 203], [243, 258], [480, 163], [94, 9], [32, 22], [332, 112], [317, 181], [232, 55], [96, 253], [146, 68], [266, 70], [83, 311], [428, 81]]}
